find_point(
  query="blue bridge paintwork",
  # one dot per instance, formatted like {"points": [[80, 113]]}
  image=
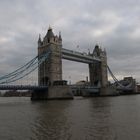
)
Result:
{"points": [[22, 87]]}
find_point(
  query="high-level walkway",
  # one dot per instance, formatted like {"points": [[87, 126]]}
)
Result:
{"points": [[78, 56]]}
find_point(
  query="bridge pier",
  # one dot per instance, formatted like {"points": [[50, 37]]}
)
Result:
{"points": [[39, 94], [59, 92], [53, 92]]}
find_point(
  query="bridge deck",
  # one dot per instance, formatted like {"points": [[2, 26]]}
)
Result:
{"points": [[22, 87]]}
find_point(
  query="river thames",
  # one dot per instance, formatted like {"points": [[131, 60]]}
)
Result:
{"points": [[99, 118]]}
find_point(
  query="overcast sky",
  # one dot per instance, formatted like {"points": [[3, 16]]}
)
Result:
{"points": [[113, 24]]}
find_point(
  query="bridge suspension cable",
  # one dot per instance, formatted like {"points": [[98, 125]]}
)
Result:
{"points": [[112, 75], [114, 78], [19, 70], [117, 81], [24, 70]]}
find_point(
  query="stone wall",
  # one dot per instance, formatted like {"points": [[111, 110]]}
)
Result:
{"points": [[60, 92]]}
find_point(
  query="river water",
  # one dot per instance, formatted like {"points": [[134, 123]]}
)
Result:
{"points": [[97, 118]]}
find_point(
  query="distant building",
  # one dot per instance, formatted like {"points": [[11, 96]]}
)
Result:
{"points": [[82, 83]]}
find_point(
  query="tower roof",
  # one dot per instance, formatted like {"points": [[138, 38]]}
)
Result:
{"points": [[49, 33], [96, 50]]}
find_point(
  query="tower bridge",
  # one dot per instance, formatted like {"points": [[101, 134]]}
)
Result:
{"points": [[49, 64], [51, 70]]}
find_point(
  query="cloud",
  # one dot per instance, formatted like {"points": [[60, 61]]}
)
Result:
{"points": [[113, 24]]}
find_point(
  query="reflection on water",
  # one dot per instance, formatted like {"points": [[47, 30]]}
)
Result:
{"points": [[52, 121], [109, 118]]}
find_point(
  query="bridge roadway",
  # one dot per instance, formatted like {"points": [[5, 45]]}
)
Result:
{"points": [[22, 87], [78, 56], [31, 87], [90, 89]]}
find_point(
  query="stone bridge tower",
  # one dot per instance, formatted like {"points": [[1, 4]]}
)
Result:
{"points": [[98, 70], [51, 69]]}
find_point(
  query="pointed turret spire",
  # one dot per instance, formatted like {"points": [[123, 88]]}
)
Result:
{"points": [[60, 38], [39, 39]]}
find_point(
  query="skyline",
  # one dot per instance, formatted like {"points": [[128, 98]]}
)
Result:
{"points": [[114, 25]]}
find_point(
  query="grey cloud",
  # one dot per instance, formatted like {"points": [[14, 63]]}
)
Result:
{"points": [[113, 24]]}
